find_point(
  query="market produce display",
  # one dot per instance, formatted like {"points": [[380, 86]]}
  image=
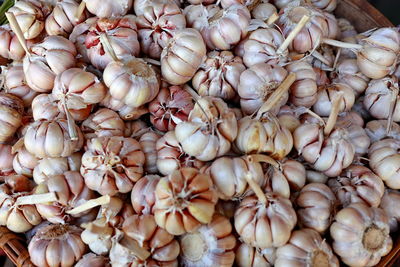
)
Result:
{"points": [[198, 133]]}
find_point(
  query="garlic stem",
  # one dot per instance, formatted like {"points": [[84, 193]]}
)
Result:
{"points": [[320, 57], [393, 100], [293, 34], [152, 61], [17, 30], [256, 188], [107, 46], [80, 10], [36, 199], [277, 94], [271, 20], [71, 123], [341, 44], [90, 204], [192, 92], [334, 113], [262, 158], [139, 251]]}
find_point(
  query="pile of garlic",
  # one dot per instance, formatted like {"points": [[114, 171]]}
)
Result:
{"points": [[198, 133]]}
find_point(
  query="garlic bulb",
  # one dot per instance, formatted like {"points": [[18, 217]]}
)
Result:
{"points": [[104, 122], [112, 164], [44, 107], [93, 260], [109, 8], [322, 77], [97, 235], [263, 10], [377, 130], [10, 47], [148, 143], [170, 155], [48, 58], [30, 15], [306, 248], [125, 112], [385, 161], [6, 159], [156, 26], [348, 72], [209, 131], [378, 56], [209, 245], [143, 194], [131, 81], [303, 91], [248, 256], [221, 28], [256, 85], [51, 139], [265, 135], [62, 19], [288, 118], [23, 162], [316, 207], [48, 167], [171, 106], [162, 246], [184, 201], [71, 192], [219, 75], [323, 105], [11, 111], [361, 235], [56, 245], [293, 172], [182, 56], [326, 5], [265, 223], [382, 100], [15, 84], [135, 129], [261, 47], [316, 177], [140, 5], [389, 204]]}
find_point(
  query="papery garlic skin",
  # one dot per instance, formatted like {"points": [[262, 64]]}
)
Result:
{"points": [[390, 202], [6, 159], [303, 92], [210, 245], [62, 20], [131, 81], [209, 131], [51, 139], [306, 248], [182, 56], [23, 162], [10, 47], [316, 207], [323, 105], [15, 84], [97, 235], [361, 235], [109, 8], [93, 260], [112, 164], [248, 256], [156, 26], [378, 56], [104, 122], [56, 245], [176, 192], [148, 143], [219, 75], [257, 83], [49, 58], [143, 194], [124, 111], [376, 130], [11, 111]]}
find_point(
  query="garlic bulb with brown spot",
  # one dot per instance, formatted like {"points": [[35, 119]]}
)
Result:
{"points": [[131, 81], [109, 8], [104, 122], [348, 72], [15, 84], [265, 224], [156, 26], [306, 248], [384, 160], [248, 256], [45, 139], [93, 260], [10, 47], [256, 85], [210, 245], [170, 155], [148, 143], [361, 235], [184, 201], [326, 94], [23, 162], [11, 111], [163, 247], [303, 91], [219, 75], [143, 194], [125, 112], [62, 19], [111, 165], [221, 28], [6, 159], [48, 58], [390, 203], [209, 131], [56, 245], [182, 56], [316, 207]]}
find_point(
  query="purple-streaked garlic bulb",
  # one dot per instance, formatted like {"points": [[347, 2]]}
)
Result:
{"points": [[219, 75], [209, 131], [263, 10], [109, 8], [257, 83], [48, 59], [348, 72], [182, 56], [303, 91], [157, 25], [326, 94], [148, 143], [10, 47], [143, 194], [104, 122], [62, 19], [221, 28]]}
